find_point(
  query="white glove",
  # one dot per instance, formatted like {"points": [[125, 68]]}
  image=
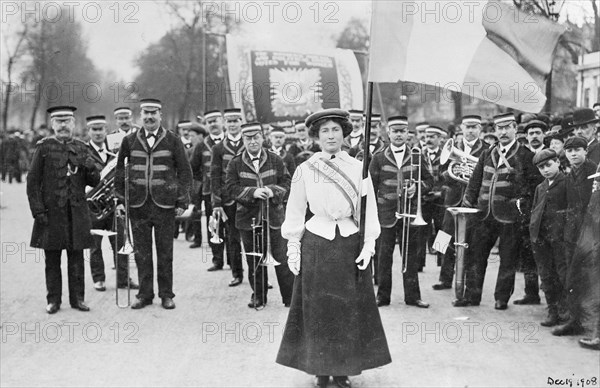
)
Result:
{"points": [[365, 257], [294, 257]]}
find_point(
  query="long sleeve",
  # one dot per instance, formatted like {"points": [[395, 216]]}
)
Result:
{"points": [[216, 170], [34, 183], [123, 154], [282, 188], [474, 185], [293, 227], [184, 176], [242, 194], [372, 227]]}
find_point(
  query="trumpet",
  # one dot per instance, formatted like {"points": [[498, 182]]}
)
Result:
{"points": [[404, 205], [214, 224], [459, 159], [127, 248]]}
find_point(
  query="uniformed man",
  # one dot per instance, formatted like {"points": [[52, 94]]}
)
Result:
{"points": [[375, 142], [183, 131], [124, 118], [97, 130], [222, 202], [358, 126], [305, 146], [502, 187], [472, 145], [584, 123], [390, 184], [255, 176], [277, 137], [154, 198], [421, 135], [60, 170]]}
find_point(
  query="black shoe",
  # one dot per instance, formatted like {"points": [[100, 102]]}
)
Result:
{"points": [[254, 303], [215, 268], [382, 302], [140, 304], [572, 327], [528, 299], [342, 381], [590, 343], [441, 286], [196, 245], [461, 303], [79, 305], [287, 304], [235, 282], [100, 286], [322, 381], [418, 303], [500, 305], [52, 308], [168, 303], [132, 285]]}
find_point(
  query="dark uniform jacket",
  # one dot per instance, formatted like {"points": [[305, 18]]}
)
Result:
{"points": [[222, 154], [53, 190], [302, 152], [288, 159], [358, 151], [347, 144], [454, 190], [548, 210], [242, 181], [385, 175], [579, 191], [593, 151], [435, 196], [496, 189], [161, 174], [200, 163]]}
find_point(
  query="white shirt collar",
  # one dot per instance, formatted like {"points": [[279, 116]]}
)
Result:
{"points": [[507, 147], [215, 138], [277, 149], [257, 156], [185, 141], [401, 148], [434, 151], [235, 139], [97, 148], [352, 135], [469, 144]]}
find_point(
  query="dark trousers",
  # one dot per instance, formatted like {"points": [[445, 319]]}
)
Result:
{"points": [[387, 243], [54, 276], [484, 236], [449, 258], [232, 240], [218, 250], [528, 263], [143, 220], [433, 213], [116, 243], [552, 266], [285, 278]]}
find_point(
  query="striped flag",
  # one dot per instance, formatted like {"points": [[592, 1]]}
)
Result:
{"points": [[486, 49]]}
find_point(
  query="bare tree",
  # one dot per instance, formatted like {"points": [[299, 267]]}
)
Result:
{"points": [[13, 57]]}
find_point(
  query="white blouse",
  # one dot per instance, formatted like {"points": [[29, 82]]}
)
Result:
{"points": [[329, 206]]}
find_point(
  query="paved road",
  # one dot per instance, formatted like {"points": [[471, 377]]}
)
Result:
{"points": [[213, 340]]}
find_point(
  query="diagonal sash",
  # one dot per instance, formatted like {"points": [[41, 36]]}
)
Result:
{"points": [[341, 181]]}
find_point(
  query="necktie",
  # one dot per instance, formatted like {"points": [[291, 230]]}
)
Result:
{"points": [[431, 156], [332, 157], [399, 151], [151, 138], [217, 140], [102, 154]]}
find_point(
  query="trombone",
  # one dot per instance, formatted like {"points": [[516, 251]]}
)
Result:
{"points": [[127, 248], [405, 203]]}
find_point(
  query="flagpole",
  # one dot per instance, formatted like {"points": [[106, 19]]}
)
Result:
{"points": [[365, 171]]}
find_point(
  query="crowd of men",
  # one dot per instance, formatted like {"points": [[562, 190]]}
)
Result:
{"points": [[526, 174]]}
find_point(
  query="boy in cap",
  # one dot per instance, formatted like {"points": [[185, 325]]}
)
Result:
{"points": [[545, 230]]}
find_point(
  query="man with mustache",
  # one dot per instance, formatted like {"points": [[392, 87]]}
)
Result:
{"points": [[357, 134], [501, 187], [61, 168], [222, 203], [584, 122], [160, 179]]}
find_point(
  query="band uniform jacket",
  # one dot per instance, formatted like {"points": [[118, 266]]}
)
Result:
{"points": [[548, 209], [303, 151], [243, 180], [358, 151], [161, 174], [495, 189], [347, 144], [454, 190], [579, 191], [200, 162], [56, 186], [384, 173], [435, 195], [222, 154], [288, 159]]}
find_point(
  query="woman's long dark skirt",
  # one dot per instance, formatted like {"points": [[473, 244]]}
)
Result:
{"points": [[333, 327]]}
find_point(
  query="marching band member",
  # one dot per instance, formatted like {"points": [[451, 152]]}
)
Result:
{"points": [[305, 146], [253, 177], [501, 187], [579, 191], [472, 145], [160, 179], [421, 134], [386, 180], [375, 143], [332, 302], [60, 170], [124, 118], [97, 145], [358, 126], [222, 203], [277, 137]]}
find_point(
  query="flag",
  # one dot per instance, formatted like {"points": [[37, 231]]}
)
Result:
{"points": [[486, 49]]}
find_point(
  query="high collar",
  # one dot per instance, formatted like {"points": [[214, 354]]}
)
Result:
{"points": [[394, 149], [507, 147], [236, 138], [254, 157], [95, 147]]}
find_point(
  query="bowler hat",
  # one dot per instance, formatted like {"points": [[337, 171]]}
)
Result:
{"points": [[584, 116]]}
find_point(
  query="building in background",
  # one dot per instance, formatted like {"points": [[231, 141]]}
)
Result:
{"points": [[588, 80]]}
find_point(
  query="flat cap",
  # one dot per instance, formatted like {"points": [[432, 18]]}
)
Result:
{"points": [[536, 124], [576, 142], [543, 156]]}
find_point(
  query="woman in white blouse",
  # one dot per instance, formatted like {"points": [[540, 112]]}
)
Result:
{"points": [[333, 327]]}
